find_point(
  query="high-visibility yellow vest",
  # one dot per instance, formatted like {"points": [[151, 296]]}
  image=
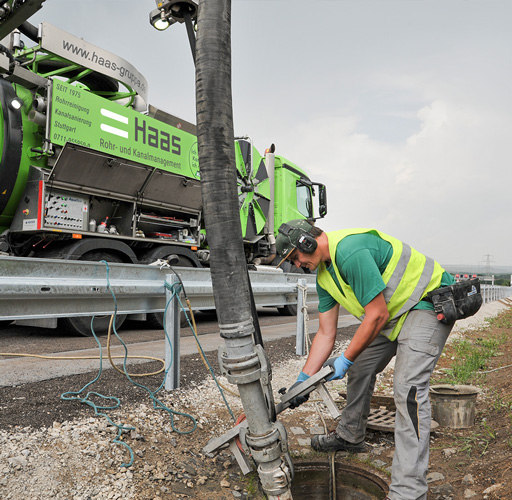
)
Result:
{"points": [[409, 276]]}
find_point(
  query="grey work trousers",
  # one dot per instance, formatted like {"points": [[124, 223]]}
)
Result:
{"points": [[417, 351]]}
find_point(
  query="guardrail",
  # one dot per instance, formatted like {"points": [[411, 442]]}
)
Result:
{"points": [[490, 293], [50, 288]]}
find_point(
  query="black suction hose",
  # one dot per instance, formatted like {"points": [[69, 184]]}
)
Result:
{"points": [[30, 31]]}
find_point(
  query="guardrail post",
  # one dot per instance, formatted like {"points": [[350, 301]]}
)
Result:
{"points": [[300, 341], [172, 327]]}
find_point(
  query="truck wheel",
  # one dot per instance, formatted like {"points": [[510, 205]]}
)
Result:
{"points": [[81, 325], [290, 309], [156, 320]]}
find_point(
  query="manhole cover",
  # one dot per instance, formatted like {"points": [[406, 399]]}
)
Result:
{"points": [[314, 481]]}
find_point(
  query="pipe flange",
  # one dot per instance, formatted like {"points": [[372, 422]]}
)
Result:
{"points": [[263, 449], [236, 370], [268, 454], [277, 435], [237, 330], [264, 440]]}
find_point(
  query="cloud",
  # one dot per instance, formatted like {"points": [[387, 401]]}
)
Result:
{"points": [[432, 118], [426, 190], [401, 108]]}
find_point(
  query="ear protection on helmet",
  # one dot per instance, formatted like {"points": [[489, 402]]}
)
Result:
{"points": [[302, 240], [306, 242]]}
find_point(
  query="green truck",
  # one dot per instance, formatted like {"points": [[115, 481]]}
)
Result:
{"points": [[90, 171]]}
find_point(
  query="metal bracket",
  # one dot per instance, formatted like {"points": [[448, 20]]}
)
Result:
{"points": [[265, 379], [328, 401], [307, 387], [315, 382]]}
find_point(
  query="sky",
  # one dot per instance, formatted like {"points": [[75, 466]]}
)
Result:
{"points": [[402, 108]]}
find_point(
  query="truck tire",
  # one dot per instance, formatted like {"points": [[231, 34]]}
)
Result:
{"points": [[81, 325]]}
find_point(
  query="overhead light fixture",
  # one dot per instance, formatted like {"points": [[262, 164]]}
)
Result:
{"points": [[176, 11], [172, 11], [158, 19]]}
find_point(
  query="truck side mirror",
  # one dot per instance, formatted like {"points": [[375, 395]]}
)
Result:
{"points": [[322, 200]]}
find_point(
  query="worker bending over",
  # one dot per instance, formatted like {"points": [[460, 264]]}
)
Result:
{"points": [[383, 282]]}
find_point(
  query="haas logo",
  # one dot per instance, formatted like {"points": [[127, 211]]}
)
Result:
{"points": [[157, 138]]}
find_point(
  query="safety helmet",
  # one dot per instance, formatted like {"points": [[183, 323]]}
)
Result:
{"points": [[292, 235]]}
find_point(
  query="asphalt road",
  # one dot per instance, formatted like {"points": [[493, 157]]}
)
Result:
{"points": [[19, 340]]}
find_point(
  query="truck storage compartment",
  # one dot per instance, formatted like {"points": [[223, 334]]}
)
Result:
{"points": [[91, 192]]}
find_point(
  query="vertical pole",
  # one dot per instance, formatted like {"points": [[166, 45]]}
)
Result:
{"points": [[270, 158], [172, 327], [300, 341], [190, 32]]}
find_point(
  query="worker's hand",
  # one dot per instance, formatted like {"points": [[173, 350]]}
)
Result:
{"points": [[340, 364], [298, 400]]}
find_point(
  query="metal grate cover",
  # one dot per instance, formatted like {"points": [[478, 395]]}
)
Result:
{"points": [[381, 419]]}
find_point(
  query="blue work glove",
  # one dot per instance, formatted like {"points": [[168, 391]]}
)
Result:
{"points": [[340, 364], [297, 401]]}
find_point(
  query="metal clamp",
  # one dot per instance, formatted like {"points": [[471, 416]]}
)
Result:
{"points": [[315, 382], [276, 481], [231, 367], [308, 386], [242, 370], [265, 379], [276, 440]]}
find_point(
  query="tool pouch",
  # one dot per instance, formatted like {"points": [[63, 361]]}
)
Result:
{"points": [[457, 301]]}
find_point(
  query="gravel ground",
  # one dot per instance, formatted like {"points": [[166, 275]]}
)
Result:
{"points": [[50, 448]]}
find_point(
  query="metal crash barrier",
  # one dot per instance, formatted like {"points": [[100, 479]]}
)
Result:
{"points": [[490, 293], [51, 288]]}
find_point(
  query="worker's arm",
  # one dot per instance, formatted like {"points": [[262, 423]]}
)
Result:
{"points": [[376, 316], [323, 343], [320, 349]]}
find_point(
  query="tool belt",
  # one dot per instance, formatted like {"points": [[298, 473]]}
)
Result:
{"points": [[457, 301]]}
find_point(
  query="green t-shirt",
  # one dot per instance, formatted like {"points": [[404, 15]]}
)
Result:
{"points": [[361, 260]]}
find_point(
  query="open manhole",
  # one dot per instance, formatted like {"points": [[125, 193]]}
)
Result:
{"points": [[318, 481]]}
